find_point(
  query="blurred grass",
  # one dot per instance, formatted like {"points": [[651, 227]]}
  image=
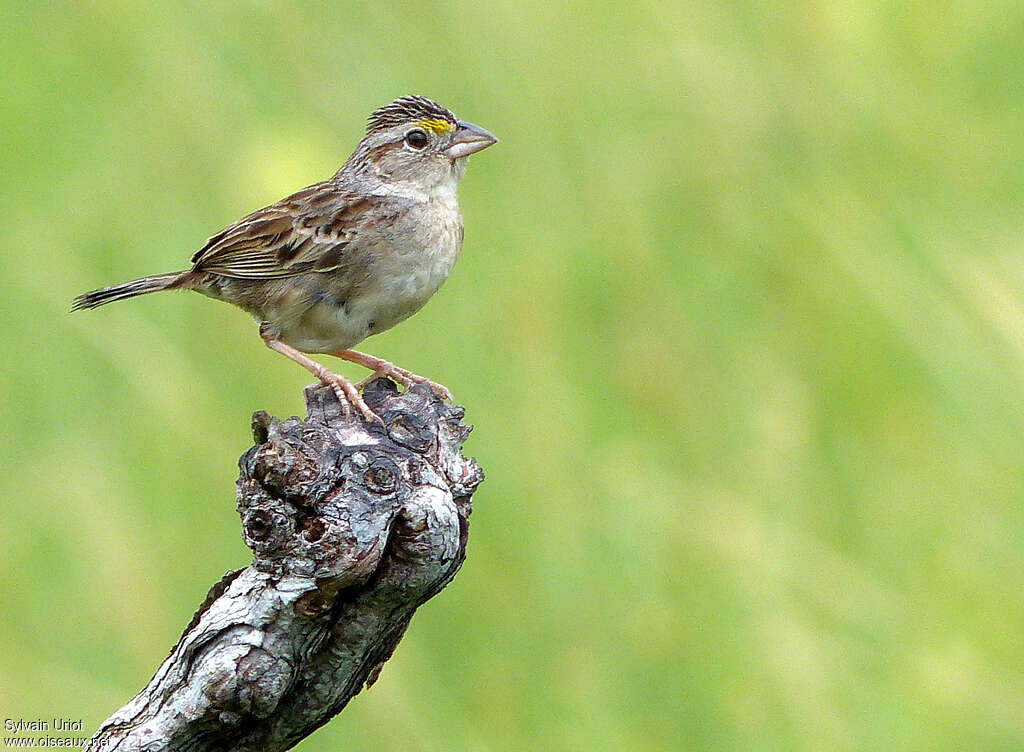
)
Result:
{"points": [[739, 320]]}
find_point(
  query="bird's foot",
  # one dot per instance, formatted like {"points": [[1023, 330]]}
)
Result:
{"points": [[347, 393], [404, 378], [384, 369]]}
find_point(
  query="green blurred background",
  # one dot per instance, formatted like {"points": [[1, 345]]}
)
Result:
{"points": [[739, 321]]}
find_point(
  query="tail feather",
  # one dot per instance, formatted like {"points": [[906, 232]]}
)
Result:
{"points": [[127, 290]]}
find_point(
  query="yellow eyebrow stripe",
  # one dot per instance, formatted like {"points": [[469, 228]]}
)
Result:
{"points": [[436, 126]]}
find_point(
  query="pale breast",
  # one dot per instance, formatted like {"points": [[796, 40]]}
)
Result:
{"points": [[398, 273]]}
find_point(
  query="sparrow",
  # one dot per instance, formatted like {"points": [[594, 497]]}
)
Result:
{"points": [[351, 256]]}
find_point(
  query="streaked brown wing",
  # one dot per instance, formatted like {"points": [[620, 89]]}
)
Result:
{"points": [[308, 231]]}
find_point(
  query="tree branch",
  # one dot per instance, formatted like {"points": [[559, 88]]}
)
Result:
{"points": [[352, 528]]}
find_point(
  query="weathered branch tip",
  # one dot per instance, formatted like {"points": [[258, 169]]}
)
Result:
{"points": [[352, 526]]}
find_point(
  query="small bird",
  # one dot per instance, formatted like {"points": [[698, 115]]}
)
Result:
{"points": [[351, 256]]}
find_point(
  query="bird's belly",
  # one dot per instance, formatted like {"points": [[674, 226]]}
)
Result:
{"points": [[329, 324], [324, 327]]}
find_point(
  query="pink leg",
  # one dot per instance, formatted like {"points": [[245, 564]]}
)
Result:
{"points": [[382, 368], [344, 389]]}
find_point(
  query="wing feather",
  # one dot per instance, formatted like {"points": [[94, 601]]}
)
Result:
{"points": [[307, 231]]}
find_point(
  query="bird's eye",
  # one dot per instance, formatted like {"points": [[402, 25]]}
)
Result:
{"points": [[416, 138]]}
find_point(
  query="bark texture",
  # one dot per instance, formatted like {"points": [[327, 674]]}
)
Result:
{"points": [[352, 528]]}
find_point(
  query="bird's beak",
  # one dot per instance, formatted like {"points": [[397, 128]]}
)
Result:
{"points": [[469, 139]]}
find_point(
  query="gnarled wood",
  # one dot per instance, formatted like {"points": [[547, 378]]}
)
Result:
{"points": [[353, 527]]}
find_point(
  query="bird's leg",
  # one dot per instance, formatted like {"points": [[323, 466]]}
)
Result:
{"points": [[344, 389], [385, 369]]}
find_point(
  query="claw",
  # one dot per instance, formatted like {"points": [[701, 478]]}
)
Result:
{"points": [[406, 379], [383, 369], [349, 396]]}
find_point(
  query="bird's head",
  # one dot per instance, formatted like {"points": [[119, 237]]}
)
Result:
{"points": [[417, 142]]}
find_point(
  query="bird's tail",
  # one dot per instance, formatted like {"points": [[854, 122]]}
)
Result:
{"points": [[128, 290]]}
